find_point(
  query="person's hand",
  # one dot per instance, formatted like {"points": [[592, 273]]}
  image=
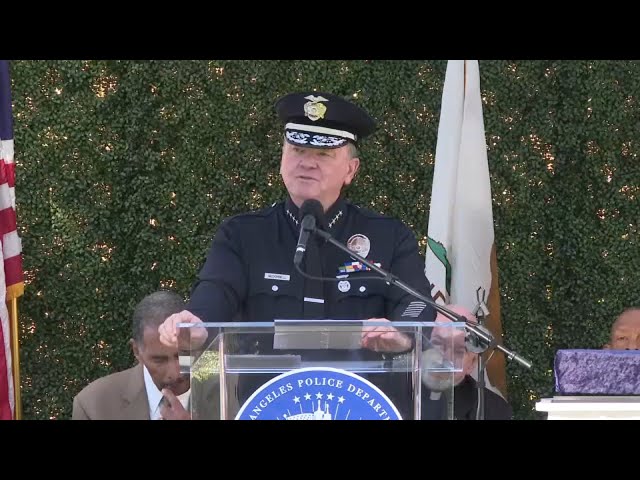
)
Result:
{"points": [[171, 408], [384, 338], [189, 337]]}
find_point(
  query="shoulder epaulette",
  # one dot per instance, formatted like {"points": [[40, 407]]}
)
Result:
{"points": [[262, 212]]}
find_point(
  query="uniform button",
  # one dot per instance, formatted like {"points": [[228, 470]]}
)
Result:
{"points": [[363, 288], [274, 288]]}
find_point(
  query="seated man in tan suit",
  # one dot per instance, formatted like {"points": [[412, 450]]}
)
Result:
{"points": [[153, 389]]}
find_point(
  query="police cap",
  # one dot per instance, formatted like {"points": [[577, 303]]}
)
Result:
{"points": [[322, 120]]}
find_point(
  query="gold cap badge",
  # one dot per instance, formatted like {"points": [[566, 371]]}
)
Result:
{"points": [[313, 108]]}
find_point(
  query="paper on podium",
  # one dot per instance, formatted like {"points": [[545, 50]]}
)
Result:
{"points": [[318, 334]]}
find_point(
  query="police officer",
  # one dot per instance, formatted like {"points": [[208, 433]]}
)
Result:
{"points": [[249, 273]]}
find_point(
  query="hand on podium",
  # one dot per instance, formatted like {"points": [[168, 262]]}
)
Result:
{"points": [[189, 338], [384, 338]]}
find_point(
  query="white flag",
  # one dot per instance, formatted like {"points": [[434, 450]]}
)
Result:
{"points": [[460, 231]]}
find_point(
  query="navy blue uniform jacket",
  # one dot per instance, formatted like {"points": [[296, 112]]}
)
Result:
{"points": [[249, 275]]}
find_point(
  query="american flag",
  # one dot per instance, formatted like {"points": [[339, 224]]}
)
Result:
{"points": [[11, 275]]}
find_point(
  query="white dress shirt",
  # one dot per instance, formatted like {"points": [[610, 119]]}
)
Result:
{"points": [[155, 396]]}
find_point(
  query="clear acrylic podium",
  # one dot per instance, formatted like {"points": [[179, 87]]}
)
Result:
{"points": [[318, 370]]}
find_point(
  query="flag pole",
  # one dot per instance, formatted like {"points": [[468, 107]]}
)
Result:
{"points": [[15, 356]]}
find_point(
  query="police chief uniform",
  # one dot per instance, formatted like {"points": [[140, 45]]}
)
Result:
{"points": [[249, 273]]}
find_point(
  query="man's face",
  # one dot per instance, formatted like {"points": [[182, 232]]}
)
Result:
{"points": [[625, 334], [161, 361], [450, 343], [317, 173]]}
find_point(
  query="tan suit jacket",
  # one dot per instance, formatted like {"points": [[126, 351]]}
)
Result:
{"points": [[123, 396]]}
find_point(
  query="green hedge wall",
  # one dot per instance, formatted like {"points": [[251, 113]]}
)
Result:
{"points": [[125, 168]]}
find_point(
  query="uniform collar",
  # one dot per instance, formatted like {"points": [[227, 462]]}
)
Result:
{"points": [[332, 219]]}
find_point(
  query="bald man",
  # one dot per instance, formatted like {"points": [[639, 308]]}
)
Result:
{"points": [[451, 343], [625, 331]]}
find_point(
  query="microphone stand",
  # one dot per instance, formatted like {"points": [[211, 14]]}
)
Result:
{"points": [[480, 335], [481, 382], [480, 312]]}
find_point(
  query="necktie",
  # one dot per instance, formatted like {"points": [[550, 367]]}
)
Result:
{"points": [[157, 415], [313, 289]]}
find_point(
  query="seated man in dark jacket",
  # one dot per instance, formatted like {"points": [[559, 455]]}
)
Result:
{"points": [[436, 386], [625, 331]]}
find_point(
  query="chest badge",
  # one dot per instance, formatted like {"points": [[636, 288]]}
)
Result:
{"points": [[359, 244], [344, 286]]}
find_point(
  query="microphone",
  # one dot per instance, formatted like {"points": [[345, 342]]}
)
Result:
{"points": [[476, 344], [310, 212]]}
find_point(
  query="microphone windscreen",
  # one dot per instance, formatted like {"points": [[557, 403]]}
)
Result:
{"points": [[312, 207]]}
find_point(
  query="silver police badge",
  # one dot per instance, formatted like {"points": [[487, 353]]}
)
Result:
{"points": [[359, 244]]}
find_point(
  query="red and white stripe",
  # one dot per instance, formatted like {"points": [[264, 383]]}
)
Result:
{"points": [[10, 272]]}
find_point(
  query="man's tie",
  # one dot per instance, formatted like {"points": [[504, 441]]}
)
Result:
{"points": [[313, 289], [156, 414]]}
